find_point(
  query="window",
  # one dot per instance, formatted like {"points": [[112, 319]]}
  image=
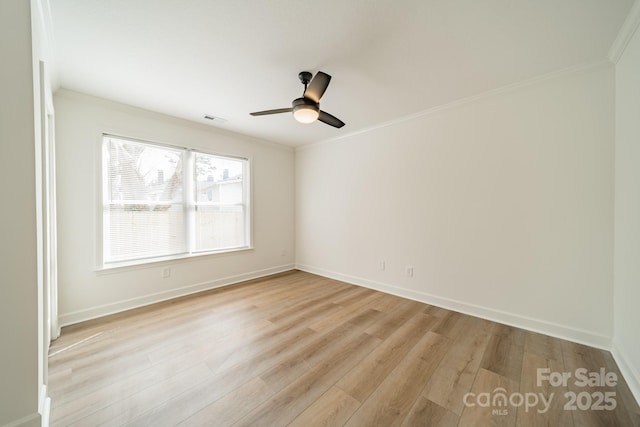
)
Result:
{"points": [[162, 201]]}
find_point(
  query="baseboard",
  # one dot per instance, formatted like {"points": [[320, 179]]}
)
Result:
{"points": [[536, 325], [630, 374], [117, 307], [44, 403]]}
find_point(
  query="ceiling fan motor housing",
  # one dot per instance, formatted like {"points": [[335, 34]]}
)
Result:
{"points": [[299, 102]]}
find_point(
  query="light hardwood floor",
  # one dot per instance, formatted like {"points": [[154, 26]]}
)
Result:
{"points": [[302, 350]]}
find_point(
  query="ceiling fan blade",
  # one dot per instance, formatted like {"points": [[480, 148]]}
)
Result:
{"points": [[330, 120], [318, 85], [266, 112]]}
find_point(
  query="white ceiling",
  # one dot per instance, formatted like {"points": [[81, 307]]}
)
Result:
{"points": [[388, 59]]}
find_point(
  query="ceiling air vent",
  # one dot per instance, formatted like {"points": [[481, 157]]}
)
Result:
{"points": [[215, 118]]}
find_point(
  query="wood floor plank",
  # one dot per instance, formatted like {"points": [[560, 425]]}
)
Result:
{"points": [[264, 348], [83, 381], [84, 405], [302, 392], [333, 408], [436, 311], [456, 374], [124, 342], [183, 405], [393, 399], [302, 349], [368, 375], [278, 361], [299, 309], [326, 345], [208, 300], [394, 318], [358, 297], [127, 408], [480, 412], [213, 344], [549, 407], [451, 325], [388, 303], [504, 352], [346, 312], [233, 406], [427, 413], [543, 345]]}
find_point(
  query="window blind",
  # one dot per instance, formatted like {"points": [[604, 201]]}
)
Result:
{"points": [[163, 201]]}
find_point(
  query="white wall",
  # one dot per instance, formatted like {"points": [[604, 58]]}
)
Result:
{"points": [[627, 215], [85, 293], [21, 356], [503, 205]]}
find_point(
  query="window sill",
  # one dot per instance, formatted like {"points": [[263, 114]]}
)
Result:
{"points": [[118, 267]]}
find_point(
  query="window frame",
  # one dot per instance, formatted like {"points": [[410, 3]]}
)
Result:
{"points": [[189, 205]]}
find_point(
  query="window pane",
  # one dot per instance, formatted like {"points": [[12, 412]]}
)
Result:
{"points": [[141, 172], [220, 227], [138, 231], [220, 214], [218, 180], [144, 211]]}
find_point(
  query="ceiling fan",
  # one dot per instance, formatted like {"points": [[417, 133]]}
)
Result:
{"points": [[307, 109]]}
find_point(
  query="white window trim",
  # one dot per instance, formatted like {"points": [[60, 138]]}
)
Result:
{"points": [[187, 256]]}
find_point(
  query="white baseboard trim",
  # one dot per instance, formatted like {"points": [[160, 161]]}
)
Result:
{"points": [[536, 325], [630, 374], [44, 404], [117, 307]]}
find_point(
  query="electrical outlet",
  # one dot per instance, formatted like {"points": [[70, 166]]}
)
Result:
{"points": [[381, 265], [409, 271], [283, 252], [166, 272]]}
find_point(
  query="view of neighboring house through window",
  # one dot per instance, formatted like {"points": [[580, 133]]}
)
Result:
{"points": [[162, 201]]}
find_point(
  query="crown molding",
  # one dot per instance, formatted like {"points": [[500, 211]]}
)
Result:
{"points": [[564, 72], [625, 34]]}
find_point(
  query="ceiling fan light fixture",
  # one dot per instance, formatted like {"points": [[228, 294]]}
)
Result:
{"points": [[306, 114], [305, 111]]}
